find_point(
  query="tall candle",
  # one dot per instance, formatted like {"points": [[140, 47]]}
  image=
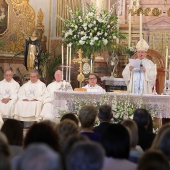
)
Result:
{"points": [[62, 59], [130, 20], [67, 64], [166, 60], [140, 25], [70, 63]]}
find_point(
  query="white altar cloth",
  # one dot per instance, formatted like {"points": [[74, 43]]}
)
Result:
{"points": [[159, 103], [113, 81]]}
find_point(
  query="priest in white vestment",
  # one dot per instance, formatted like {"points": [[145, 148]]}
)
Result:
{"points": [[142, 79], [92, 86], [8, 94], [48, 111], [31, 95]]}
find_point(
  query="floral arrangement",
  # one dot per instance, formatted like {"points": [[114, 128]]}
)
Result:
{"points": [[122, 107], [90, 30], [130, 51]]}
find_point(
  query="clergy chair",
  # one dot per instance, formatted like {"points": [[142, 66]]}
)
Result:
{"points": [[157, 59]]}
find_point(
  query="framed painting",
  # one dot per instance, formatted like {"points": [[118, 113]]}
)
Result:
{"points": [[3, 16]]}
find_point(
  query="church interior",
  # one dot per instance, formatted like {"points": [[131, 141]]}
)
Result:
{"points": [[22, 17], [72, 95]]}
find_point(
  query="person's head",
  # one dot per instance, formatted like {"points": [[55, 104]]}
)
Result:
{"points": [[159, 135], [70, 116], [4, 148], [85, 156], [164, 143], [92, 79], [142, 47], [87, 116], [153, 160], [116, 141], [42, 132], [58, 75], [13, 129], [34, 33], [141, 117], [34, 76], [39, 157], [133, 128], [141, 54], [105, 113], [65, 129], [8, 75]]}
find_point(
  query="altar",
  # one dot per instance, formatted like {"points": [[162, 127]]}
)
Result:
{"points": [[157, 104], [112, 83]]}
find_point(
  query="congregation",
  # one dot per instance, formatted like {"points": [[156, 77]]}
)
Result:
{"points": [[76, 143]]}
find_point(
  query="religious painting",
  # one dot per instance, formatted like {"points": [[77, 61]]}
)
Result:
{"points": [[3, 16]]}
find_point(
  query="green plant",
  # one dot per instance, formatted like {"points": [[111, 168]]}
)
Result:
{"points": [[49, 63]]}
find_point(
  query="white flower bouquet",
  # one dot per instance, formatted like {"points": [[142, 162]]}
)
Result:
{"points": [[90, 30]]}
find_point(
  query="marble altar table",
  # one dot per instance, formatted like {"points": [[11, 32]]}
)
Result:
{"points": [[160, 104]]}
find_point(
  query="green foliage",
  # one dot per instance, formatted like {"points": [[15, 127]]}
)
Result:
{"points": [[49, 63]]}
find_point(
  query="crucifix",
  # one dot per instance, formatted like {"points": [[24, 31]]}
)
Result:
{"points": [[80, 60]]}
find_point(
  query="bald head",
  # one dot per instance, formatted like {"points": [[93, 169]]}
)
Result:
{"points": [[58, 75]]}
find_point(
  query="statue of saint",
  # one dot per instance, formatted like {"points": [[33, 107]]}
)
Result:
{"points": [[32, 52]]}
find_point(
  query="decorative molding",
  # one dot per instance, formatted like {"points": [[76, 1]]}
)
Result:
{"points": [[21, 19]]}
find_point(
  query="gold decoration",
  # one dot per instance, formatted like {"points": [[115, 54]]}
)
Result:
{"points": [[40, 17], [22, 17], [146, 11], [168, 12], [140, 10], [156, 12], [63, 12], [80, 60]]}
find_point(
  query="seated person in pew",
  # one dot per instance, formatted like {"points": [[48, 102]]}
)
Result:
{"points": [[92, 86], [31, 95], [58, 84]]}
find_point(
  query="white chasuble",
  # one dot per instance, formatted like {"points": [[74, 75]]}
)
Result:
{"points": [[140, 82], [50, 109], [8, 90], [95, 88], [30, 110]]}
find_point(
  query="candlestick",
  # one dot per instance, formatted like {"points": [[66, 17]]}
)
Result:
{"points": [[62, 58], [166, 60], [140, 25], [70, 63], [129, 42], [67, 64]]}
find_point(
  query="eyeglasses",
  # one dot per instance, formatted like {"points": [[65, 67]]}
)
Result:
{"points": [[92, 78]]}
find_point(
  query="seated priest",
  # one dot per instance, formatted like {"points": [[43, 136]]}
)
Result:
{"points": [[48, 108], [142, 79], [92, 85], [31, 95], [8, 94]]}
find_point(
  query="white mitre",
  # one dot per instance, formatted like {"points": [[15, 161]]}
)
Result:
{"points": [[142, 45]]}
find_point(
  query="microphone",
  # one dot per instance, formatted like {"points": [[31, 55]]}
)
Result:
{"points": [[141, 65]]}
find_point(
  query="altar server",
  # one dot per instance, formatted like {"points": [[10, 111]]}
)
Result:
{"points": [[140, 80], [92, 86], [31, 94], [48, 108], [8, 94]]}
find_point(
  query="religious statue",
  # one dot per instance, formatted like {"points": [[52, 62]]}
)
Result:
{"points": [[32, 53], [113, 63]]}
